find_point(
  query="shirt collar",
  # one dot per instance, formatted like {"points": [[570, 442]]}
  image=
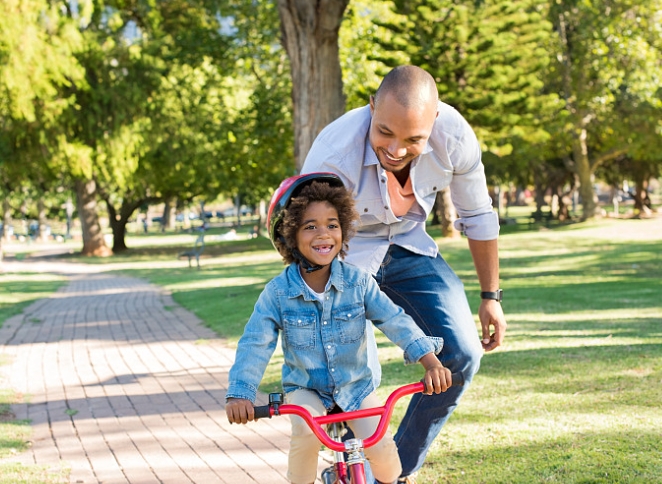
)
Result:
{"points": [[298, 286]]}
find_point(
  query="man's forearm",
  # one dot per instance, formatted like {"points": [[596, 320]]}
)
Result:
{"points": [[485, 254]]}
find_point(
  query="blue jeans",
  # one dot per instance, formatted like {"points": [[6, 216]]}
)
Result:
{"points": [[432, 294]]}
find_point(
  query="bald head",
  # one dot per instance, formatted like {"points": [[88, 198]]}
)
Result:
{"points": [[410, 86]]}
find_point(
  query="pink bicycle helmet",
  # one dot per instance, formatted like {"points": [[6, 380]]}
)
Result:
{"points": [[288, 189]]}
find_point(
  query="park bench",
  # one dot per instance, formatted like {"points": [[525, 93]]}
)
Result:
{"points": [[196, 251]]}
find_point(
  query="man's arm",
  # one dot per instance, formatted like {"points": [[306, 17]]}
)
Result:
{"points": [[485, 254]]}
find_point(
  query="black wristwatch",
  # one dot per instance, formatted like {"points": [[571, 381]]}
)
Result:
{"points": [[496, 295]]}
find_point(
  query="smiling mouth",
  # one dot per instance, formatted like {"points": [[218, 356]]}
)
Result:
{"points": [[391, 158], [323, 249]]}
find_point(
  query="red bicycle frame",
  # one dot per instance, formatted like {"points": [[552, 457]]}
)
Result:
{"points": [[353, 447]]}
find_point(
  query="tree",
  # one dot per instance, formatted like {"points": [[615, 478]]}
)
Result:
{"points": [[487, 58], [605, 49], [310, 36], [37, 47]]}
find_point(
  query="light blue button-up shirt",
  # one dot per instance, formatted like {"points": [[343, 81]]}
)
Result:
{"points": [[452, 158], [324, 343]]}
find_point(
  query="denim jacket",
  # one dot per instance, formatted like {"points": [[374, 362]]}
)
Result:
{"points": [[324, 344], [452, 158]]}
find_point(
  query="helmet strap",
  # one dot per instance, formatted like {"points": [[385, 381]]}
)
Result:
{"points": [[305, 263]]}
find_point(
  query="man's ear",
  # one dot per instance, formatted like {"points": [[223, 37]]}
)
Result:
{"points": [[372, 104]]}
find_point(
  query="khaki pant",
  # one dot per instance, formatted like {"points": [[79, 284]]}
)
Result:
{"points": [[304, 446]]}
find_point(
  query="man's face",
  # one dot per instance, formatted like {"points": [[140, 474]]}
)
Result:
{"points": [[399, 134]]}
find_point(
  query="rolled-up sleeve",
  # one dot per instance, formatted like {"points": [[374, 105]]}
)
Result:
{"points": [[476, 216], [420, 347]]}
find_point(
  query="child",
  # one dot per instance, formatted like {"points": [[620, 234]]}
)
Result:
{"points": [[319, 304]]}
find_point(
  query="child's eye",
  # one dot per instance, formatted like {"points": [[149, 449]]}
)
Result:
{"points": [[334, 226], [309, 227]]}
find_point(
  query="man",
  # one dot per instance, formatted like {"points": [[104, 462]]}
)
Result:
{"points": [[394, 156]]}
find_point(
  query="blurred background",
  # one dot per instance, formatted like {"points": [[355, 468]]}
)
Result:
{"points": [[141, 117]]}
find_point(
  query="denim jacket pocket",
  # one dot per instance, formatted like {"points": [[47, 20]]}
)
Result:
{"points": [[299, 329], [351, 322]]}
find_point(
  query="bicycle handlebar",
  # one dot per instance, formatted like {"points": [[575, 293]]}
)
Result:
{"points": [[315, 423]]}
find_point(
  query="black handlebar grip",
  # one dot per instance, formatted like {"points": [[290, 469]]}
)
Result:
{"points": [[263, 411], [458, 379]]}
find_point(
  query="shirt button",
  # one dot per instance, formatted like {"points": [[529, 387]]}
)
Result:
{"points": [[328, 347], [333, 369], [365, 210], [385, 207], [434, 188], [349, 315], [324, 322]]}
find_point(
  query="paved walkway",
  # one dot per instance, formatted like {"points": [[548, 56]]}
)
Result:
{"points": [[124, 386]]}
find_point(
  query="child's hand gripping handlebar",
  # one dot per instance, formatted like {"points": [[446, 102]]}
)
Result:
{"points": [[276, 407]]}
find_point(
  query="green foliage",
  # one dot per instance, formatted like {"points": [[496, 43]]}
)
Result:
{"points": [[606, 66], [489, 60], [360, 53]]}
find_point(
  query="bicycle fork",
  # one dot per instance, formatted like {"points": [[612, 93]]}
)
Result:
{"points": [[338, 474]]}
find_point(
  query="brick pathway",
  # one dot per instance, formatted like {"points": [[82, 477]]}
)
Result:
{"points": [[124, 386]]}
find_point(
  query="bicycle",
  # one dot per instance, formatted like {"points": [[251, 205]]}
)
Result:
{"points": [[351, 470]]}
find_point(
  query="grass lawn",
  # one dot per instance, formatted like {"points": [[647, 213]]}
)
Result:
{"points": [[573, 396]]}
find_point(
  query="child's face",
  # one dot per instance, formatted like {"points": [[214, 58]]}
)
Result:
{"points": [[319, 238]]}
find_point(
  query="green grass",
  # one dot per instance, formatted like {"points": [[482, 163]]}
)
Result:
{"points": [[14, 439], [19, 290]]}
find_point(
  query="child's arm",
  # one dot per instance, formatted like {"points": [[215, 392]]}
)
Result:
{"points": [[239, 410], [437, 377]]}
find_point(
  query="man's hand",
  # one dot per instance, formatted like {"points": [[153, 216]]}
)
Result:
{"points": [[239, 410], [491, 315]]}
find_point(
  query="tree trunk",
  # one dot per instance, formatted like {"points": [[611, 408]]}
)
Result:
{"points": [[93, 241], [42, 231], [6, 220], [539, 188], [642, 202], [445, 213], [584, 174], [168, 214], [309, 30], [118, 223]]}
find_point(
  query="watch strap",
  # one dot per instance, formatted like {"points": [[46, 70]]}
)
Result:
{"points": [[496, 295]]}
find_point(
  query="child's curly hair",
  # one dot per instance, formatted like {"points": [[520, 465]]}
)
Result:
{"points": [[341, 200]]}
